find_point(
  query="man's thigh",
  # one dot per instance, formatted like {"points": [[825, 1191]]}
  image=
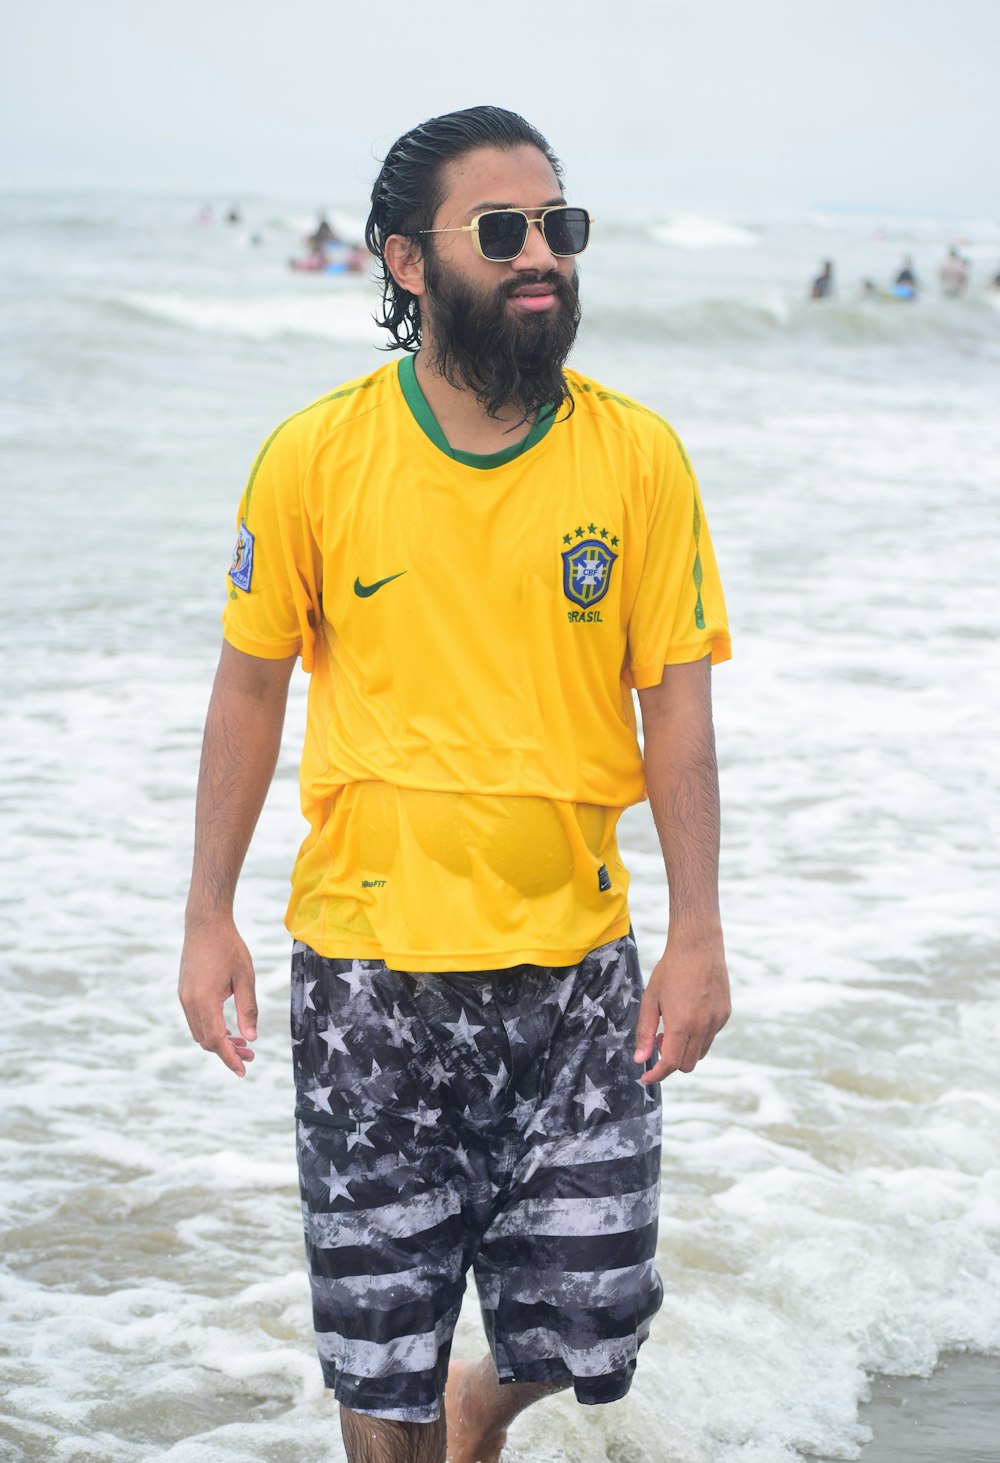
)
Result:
{"points": [[566, 1270], [384, 1194]]}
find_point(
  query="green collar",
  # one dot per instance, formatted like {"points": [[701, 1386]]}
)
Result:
{"points": [[428, 423]]}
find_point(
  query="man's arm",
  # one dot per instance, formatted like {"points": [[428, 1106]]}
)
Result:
{"points": [[242, 738], [689, 985]]}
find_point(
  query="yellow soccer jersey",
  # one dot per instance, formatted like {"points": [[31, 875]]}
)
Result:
{"points": [[474, 628]]}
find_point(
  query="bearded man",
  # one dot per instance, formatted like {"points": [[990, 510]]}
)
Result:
{"points": [[478, 556]]}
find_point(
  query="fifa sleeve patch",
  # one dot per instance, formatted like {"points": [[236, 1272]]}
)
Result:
{"points": [[241, 569]]}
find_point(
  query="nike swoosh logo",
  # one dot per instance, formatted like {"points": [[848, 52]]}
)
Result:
{"points": [[364, 590]]}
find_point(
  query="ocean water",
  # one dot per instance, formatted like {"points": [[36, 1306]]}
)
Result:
{"points": [[831, 1194]]}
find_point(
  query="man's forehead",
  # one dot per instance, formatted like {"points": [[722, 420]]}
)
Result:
{"points": [[493, 177]]}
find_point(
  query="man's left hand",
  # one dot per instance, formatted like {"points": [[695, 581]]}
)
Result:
{"points": [[689, 990]]}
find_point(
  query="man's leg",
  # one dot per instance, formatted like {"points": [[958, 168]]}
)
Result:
{"points": [[479, 1410], [566, 1269], [384, 1183], [380, 1440], [477, 1414]]}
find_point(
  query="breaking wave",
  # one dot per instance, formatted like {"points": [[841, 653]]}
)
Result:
{"points": [[697, 231], [335, 314], [969, 326]]}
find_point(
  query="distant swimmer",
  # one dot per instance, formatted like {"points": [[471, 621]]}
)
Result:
{"points": [[322, 234], [954, 274], [823, 285], [905, 285], [234, 216], [995, 282]]}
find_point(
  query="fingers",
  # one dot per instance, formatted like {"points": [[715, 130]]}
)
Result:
{"points": [[232, 1051], [228, 1054], [676, 1050], [666, 1062], [671, 1049], [645, 1027], [239, 1047], [246, 1006], [677, 1053]]}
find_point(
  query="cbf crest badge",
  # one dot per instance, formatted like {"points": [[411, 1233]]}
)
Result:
{"points": [[241, 569], [587, 572]]}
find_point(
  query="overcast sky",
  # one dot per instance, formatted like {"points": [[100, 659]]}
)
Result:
{"points": [[730, 104]]}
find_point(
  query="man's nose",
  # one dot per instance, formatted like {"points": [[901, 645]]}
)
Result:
{"points": [[536, 254]]}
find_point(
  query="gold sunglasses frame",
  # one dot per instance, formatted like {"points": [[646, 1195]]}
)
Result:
{"points": [[473, 229]]}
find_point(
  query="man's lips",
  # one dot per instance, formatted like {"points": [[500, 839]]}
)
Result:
{"points": [[534, 296]]}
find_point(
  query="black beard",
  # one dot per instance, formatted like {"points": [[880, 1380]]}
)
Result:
{"points": [[506, 356]]}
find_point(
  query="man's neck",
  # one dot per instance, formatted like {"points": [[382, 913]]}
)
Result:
{"points": [[463, 419]]}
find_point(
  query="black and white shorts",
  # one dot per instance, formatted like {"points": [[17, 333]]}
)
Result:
{"points": [[492, 1120]]}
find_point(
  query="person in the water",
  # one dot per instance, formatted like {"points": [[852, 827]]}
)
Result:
{"points": [[823, 285], [479, 555], [905, 285], [954, 274]]}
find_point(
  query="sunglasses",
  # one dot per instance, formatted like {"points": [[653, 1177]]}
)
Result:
{"points": [[501, 234]]}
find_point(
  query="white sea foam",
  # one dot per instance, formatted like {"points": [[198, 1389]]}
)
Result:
{"points": [[697, 231], [327, 308]]}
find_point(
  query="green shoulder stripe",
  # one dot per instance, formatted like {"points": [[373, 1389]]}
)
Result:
{"points": [[696, 572], [364, 385]]}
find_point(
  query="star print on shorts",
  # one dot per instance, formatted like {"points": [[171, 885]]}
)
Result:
{"points": [[492, 1121]]}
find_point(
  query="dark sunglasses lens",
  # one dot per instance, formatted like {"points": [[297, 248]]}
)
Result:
{"points": [[502, 235], [567, 230]]}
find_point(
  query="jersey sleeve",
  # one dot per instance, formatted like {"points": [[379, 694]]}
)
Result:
{"points": [[274, 583], [679, 612]]}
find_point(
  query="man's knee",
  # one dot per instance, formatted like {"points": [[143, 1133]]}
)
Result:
{"points": [[384, 1440]]}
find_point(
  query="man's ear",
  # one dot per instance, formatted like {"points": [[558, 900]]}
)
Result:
{"points": [[405, 262]]}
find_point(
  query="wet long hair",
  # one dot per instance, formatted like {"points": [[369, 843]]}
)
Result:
{"points": [[409, 191]]}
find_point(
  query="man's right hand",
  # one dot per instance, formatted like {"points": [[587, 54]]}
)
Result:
{"points": [[215, 964], [242, 737]]}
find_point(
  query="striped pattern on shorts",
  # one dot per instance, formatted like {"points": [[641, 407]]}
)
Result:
{"points": [[493, 1121]]}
